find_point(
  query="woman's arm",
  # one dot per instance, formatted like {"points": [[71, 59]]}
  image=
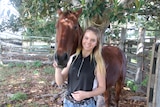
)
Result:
{"points": [[61, 74], [101, 84]]}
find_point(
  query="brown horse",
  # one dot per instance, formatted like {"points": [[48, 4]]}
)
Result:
{"points": [[69, 34]]}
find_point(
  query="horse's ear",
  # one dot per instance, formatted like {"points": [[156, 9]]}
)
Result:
{"points": [[78, 12], [59, 11]]}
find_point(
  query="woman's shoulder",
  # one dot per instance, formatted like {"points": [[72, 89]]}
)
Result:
{"points": [[72, 56]]}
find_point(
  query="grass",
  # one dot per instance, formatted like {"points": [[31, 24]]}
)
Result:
{"points": [[21, 83], [19, 96], [7, 71]]}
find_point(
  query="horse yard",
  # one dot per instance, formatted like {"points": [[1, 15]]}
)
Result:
{"points": [[33, 86]]}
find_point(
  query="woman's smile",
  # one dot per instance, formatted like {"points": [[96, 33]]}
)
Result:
{"points": [[89, 40]]}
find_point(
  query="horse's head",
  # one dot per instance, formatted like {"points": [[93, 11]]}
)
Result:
{"points": [[68, 34]]}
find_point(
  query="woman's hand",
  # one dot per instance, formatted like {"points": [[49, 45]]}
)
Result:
{"points": [[55, 65], [79, 95]]}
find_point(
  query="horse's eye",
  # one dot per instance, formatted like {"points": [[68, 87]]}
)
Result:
{"points": [[75, 27]]}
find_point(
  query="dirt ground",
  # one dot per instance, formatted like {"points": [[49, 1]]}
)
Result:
{"points": [[38, 84]]}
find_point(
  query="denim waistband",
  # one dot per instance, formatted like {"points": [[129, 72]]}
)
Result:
{"points": [[86, 101]]}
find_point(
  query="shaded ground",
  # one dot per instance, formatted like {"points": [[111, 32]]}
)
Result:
{"points": [[37, 84]]}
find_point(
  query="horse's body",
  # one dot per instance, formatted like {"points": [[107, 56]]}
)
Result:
{"points": [[116, 70], [68, 36]]}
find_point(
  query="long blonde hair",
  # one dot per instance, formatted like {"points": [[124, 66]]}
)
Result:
{"points": [[96, 51]]}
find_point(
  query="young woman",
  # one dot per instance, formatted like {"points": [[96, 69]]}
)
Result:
{"points": [[83, 67]]}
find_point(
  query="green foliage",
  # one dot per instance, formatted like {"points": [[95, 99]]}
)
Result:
{"points": [[35, 72], [11, 65], [1, 65], [94, 8], [139, 4], [22, 79], [37, 64], [14, 24], [49, 70], [39, 16], [145, 81], [7, 71], [28, 65], [20, 65], [19, 96], [132, 85], [42, 27]]}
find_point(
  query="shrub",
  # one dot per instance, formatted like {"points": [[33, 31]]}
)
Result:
{"points": [[19, 96], [132, 85]]}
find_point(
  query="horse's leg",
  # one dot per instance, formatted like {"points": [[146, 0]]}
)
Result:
{"points": [[107, 97], [119, 86], [100, 101]]}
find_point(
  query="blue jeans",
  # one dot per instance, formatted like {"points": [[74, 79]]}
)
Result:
{"points": [[88, 103]]}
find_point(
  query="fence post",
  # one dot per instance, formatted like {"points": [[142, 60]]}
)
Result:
{"points": [[140, 52], [153, 93], [123, 38], [0, 49], [0, 54]]}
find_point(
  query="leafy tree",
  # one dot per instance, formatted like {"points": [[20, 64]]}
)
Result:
{"points": [[38, 17]]}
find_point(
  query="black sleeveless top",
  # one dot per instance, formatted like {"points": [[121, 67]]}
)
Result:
{"points": [[81, 74]]}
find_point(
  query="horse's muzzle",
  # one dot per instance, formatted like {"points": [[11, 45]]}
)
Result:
{"points": [[61, 60]]}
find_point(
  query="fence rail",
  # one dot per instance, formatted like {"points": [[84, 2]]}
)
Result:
{"points": [[131, 53], [27, 49]]}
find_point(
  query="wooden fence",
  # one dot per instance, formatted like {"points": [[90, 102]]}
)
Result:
{"points": [[30, 50], [138, 52], [132, 57], [153, 93], [39, 48]]}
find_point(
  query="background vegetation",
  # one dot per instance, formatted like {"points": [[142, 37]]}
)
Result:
{"points": [[38, 17]]}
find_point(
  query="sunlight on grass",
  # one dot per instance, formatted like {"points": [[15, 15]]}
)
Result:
{"points": [[133, 60], [41, 82], [34, 90], [35, 72]]}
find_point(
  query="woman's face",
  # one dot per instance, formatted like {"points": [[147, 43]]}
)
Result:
{"points": [[89, 41]]}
